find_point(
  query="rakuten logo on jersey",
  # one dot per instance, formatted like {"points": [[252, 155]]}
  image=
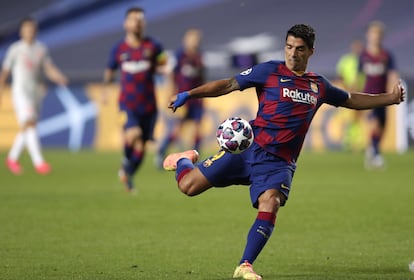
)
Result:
{"points": [[134, 67], [298, 96]]}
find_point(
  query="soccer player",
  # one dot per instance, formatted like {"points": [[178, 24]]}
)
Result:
{"points": [[138, 58], [380, 71], [188, 73], [25, 61], [288, 97], [352, 80]]}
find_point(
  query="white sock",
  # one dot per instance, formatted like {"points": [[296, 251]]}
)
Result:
{"points": [[17, 148], [33, 146]]}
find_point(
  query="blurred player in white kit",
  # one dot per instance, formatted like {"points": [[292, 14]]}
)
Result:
{"points": [[26, 60]]}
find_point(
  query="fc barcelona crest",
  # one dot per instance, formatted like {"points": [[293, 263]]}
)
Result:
{"points": [[147, 53], [314, 87]]}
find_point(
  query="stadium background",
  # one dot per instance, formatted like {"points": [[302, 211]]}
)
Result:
{"points": [[235, 33]]}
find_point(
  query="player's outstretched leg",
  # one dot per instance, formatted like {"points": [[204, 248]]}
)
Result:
{"points": [[245, 271], [170, 162]]}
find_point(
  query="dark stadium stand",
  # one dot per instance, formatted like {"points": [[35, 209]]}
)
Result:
{"points": [[80, 33]]}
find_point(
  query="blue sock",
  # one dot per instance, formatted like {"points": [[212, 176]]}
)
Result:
{"points": [[127, 156], [184, 166], [164, 145], [197, 143], [375, 141], [128, 150], [134, 162], [259, 233]]}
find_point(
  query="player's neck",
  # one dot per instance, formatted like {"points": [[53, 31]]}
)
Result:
{"points": [[29, 41], [298, 73], [374, 49], [134, 40], [191, 51]]}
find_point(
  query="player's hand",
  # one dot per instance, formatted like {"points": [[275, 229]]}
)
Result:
{"points": [[105, 96], [179, 100], [399, 92]]}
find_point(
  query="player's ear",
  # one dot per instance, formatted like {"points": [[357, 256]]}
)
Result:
{"points": [[312, 50]]}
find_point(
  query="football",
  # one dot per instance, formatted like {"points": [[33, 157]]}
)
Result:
{"points": [[235, 135]]}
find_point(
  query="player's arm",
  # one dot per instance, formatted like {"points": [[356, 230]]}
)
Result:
{"points": [[210, 89], [162, 64], [361, 101], [108, 78], [4, 75], [54, 74]]}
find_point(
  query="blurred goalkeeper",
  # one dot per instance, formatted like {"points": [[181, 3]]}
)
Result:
{"points": [[289, 97]]}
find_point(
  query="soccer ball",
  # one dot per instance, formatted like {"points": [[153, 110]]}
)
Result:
{"points": [[235, 135]]}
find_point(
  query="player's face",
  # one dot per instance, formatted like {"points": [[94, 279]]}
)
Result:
{"points": [[28, 31], [375, 35], [297, 54], [135, 23], [192, 39]]}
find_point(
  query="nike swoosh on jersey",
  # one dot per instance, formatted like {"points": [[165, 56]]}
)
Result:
{"points": [[283, 186], [285, 80]]}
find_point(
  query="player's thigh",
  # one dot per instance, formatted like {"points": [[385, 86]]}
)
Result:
{"points": [[377, 119], [224, 169], [132, 134], [27, 109]]}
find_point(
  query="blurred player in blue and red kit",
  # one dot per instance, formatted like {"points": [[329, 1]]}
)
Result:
{"points": [[288, 98], [138, 57], [378, 66], [188, 73]]}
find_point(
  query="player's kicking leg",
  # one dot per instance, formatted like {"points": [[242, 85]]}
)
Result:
{"points": [[189, 178]]}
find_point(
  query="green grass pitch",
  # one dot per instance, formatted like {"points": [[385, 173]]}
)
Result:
{"points": [[341, 222]]}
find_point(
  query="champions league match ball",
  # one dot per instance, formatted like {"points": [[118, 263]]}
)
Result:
{"points": [[234, 135]]}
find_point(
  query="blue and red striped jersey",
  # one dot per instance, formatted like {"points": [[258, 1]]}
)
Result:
{"points": [[137, 67], [287, 105], [376, 70], [189, 73]]}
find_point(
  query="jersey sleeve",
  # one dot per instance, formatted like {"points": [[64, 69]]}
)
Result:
{"points": [[160, 54], [46, 55], [112, 60], [333, 95], [256, 75], [9, 58], [177, 56], [391, 62]]}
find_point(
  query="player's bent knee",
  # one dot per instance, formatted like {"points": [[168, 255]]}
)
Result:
{"points": [[271, 200], [193, 183]]}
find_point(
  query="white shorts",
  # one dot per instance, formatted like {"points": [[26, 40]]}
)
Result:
{"points": [[26, 108]]}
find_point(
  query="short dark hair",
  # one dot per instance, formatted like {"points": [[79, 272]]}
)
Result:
{"points": [[134, 10], [27, 19], [303, 31]]}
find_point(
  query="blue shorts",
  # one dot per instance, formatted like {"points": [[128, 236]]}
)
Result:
{"points": [[194, 111], [145, 121], [255, 167], [269, 172], [225, 169], [380, 114]]}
